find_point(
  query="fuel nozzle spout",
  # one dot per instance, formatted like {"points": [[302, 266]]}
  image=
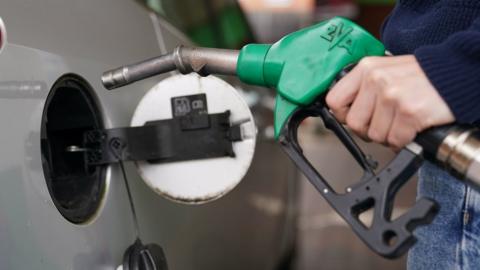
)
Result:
{"points": [[203, 61]]}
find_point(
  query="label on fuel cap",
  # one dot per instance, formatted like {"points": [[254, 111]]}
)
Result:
{"points": [[202, 180], [189, 105]]}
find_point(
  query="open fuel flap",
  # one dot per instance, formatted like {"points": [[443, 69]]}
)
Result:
{"points": [[211, 141], [192, 139]]}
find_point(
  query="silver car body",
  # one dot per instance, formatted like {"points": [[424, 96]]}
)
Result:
{"points": [[250, 228]]}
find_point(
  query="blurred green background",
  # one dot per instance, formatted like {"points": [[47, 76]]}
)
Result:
{"points": [[231, 24]]}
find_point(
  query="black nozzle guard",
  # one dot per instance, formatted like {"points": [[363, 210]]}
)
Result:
{"points": [[389, 238]]}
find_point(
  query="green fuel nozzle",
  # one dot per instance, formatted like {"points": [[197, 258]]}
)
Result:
{"points": [[302, 67]]}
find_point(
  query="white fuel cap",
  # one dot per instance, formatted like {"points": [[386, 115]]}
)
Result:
{"points": [[202, 180]]}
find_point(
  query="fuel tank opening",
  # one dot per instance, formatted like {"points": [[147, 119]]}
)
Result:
{"points": [[70, 110]]}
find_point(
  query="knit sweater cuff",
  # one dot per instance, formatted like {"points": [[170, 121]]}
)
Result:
{"points": [[456, 78]]}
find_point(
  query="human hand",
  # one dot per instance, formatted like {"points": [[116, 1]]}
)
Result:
{"points": [[388, 100]]}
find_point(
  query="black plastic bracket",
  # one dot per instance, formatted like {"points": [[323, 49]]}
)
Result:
{"points": [[389, 238], [179, 139]]}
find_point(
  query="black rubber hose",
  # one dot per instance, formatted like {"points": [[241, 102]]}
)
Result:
{"points": [[431, 139]]}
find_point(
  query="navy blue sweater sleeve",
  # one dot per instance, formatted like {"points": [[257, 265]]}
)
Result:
{"points": [[453, 68]]}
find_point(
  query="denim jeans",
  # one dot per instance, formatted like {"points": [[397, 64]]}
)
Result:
{"points": [[452, 241]]}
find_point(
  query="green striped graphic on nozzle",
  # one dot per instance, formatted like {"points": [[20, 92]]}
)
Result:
{"points": [[303, 65]]}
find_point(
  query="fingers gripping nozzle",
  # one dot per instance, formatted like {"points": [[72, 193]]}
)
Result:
{"points": [[203, 61]]}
